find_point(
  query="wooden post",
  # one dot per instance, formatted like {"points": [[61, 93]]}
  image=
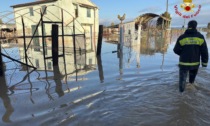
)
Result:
{"points": [[55, 44], [100, 69], [100, 35]]}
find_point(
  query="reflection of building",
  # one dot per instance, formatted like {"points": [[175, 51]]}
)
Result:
{"points": [[82, 13], [208, 35], [208, 31], [111, 33], [112, 38], [85, 62], [151, 44]]}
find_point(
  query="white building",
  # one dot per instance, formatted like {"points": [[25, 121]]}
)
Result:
{"points": [[82, 13]]}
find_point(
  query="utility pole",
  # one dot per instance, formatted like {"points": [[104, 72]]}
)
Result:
{"points": [[183, 24]]}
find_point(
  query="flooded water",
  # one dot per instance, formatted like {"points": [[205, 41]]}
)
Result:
{"points": [[138, 87]]}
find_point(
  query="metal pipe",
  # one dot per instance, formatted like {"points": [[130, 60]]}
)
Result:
{"points": [[74, 42], [24, 40]]}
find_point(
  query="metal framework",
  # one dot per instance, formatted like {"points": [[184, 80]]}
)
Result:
{"points": [[42, 23]]}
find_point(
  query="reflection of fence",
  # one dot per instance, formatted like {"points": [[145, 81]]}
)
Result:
{"points": [[151, 39]]}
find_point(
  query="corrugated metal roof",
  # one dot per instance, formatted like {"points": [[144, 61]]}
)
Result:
{"points": [[148, 16], [33, 3]]}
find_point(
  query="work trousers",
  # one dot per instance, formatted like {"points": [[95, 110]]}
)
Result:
{"points": [[183, 77]]}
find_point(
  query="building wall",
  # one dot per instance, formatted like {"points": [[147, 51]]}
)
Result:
{"points": [[83, 24], [130, 34], [52, 14], [129, 28]]}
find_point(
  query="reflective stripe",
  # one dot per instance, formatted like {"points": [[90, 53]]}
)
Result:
{"points": [[189, 64], [205, 64], [191, 41]]}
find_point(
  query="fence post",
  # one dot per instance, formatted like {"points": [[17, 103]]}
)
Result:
{"points": [[74, 43], [55, 44], [121, 36], [100, 69], [100, 35]]}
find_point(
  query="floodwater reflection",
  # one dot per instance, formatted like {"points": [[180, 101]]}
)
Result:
{"points": [[100, 69], [6, 100], [137, 82], [58, 82]]}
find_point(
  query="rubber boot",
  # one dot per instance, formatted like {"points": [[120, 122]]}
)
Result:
{"points": [[182, 80]]}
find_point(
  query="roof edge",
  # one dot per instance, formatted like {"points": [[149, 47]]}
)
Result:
{"points": [[32, 3]]}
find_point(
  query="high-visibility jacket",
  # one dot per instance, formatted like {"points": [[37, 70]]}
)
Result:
{"points": [[192, 49]]}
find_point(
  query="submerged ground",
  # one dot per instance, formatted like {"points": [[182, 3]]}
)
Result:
{"points": [[139, 88]]}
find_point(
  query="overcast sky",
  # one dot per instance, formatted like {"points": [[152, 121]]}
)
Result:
{"points": [[109, 9]]}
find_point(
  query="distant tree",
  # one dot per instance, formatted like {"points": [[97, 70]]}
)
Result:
{"points": [[112, 27], [1, 22], [208, 26], [112, 24]]}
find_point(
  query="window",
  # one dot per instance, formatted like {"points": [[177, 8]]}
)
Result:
{"points": [[37, 63], [31, 11], [76, 10], [44, 11], [36, 43], [129, 31], [88, 12], [49, 64], [90, 61]]}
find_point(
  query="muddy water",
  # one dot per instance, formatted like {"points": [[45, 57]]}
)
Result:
{"points": [[138, 88]]}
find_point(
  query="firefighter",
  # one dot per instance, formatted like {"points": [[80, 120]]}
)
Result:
{"points": [[191, 48]]}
